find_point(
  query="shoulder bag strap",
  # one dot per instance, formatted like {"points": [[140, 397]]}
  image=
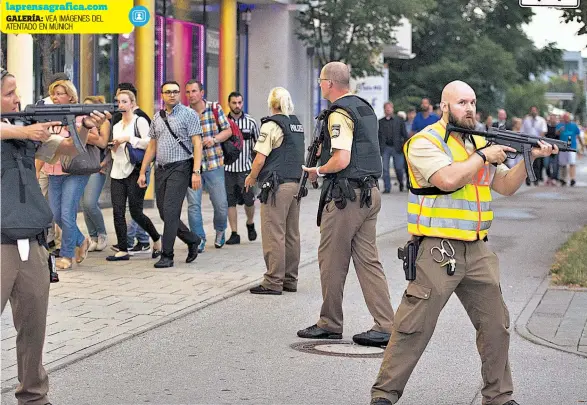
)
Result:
{"points": [[164, 117]]}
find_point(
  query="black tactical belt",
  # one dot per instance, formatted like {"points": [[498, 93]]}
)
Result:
{"points": [[4, 240]]}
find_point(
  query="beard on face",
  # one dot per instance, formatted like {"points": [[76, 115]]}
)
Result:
{"points": [[468, 121], [424, 108], [236, 111]]}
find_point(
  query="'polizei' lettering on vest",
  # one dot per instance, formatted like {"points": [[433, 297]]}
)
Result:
{"points": [[296, 128]]}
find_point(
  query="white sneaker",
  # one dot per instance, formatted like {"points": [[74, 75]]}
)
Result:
{"points": [[102, 242], [93, 245]]}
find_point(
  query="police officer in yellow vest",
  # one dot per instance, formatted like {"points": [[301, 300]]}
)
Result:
{"points": [[449, 211], [349, 206]]}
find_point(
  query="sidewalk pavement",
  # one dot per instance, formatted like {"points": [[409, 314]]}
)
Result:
{"points": [[98, 304], [556, 317]]}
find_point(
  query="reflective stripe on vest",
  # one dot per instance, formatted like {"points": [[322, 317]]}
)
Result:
{"points": [[463, 215]]}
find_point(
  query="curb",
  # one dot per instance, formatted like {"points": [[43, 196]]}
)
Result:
{"points": [[526, 314], [13, 383]]}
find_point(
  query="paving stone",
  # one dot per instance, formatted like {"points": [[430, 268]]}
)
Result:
{"points": [[555, 302], [542, 326]]}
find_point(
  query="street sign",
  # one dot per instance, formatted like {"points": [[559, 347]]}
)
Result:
{"points": [[550, 3]]}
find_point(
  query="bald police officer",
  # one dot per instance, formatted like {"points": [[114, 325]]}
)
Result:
{"points": [[349, 205], [278, 168], [449, 207]]}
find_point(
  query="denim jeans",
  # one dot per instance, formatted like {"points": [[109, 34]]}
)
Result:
{"points": [[398, 165], [134, 230], [551, 164], [92, 213], [65, 193], [213, 183]]}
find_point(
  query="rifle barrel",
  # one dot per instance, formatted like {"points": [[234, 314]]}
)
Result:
{"points": [[495, 133]]}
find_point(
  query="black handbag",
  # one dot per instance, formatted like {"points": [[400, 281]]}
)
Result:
{"points": [[84, 163]]}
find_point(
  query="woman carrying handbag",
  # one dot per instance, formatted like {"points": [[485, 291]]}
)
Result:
{"points": [[130, 139]]}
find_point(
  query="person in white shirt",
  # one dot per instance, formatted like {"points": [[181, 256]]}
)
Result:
{"points": [[133, 130], [535, 125]]}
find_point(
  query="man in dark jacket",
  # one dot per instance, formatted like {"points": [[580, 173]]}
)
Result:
{"points": [[392, 135]]}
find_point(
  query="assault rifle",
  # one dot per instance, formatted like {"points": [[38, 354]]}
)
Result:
{"points": [[65, 113], [522, 143], [312, 159]]}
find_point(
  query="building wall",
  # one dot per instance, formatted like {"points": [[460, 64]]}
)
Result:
{"points": [[277, 58]]}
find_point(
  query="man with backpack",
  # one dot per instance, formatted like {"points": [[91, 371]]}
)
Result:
{"points": [[216, 129]]}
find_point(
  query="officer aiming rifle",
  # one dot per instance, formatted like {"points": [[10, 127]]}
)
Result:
{"points": [[65, 113], [522, 143], [25, 217]]}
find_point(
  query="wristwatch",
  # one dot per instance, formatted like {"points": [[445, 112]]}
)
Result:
{"points": [[482, 155], [214, 139], [196, 172], [318, 171]]}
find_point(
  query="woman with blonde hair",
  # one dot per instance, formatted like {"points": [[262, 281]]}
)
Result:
{"points": [[278, 168], [65, 190], [92, 214], [132, 130]]}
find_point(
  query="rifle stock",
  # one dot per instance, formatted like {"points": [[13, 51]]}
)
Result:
{"points": [[522, 143], [65, 113]]}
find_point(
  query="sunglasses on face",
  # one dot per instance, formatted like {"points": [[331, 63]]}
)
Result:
{"points": [[171, 92]]}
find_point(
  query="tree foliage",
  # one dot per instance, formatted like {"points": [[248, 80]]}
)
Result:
{"points": [[353, 31], [577, 15], [481, 42], [575, 106], [520, 97]]}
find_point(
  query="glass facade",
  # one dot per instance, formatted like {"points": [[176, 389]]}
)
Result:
{"points": [[187, 46]]}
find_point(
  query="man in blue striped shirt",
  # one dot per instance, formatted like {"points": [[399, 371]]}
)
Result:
{"points": [[237, 172]]}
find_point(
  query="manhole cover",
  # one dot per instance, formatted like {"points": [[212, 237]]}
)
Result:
{"points": [[341, 349], [512, 213]]}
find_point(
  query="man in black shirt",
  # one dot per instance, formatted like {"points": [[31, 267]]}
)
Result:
{"points": [[392, 135], [502, 120], [551, 162]]}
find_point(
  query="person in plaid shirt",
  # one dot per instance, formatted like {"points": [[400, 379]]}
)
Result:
{"points": [[214, 133]]}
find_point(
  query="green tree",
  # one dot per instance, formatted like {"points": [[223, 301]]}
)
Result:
{"points": [[353, 31], [576, 106], [481, 42], [577, 15], [521, 97]]}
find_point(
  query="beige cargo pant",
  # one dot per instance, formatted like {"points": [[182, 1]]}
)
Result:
{"points": [[280, 233], [346, 233], [476, 284], [26, 284]]}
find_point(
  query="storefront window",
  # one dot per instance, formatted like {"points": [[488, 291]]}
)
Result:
{"points": [[52, 53], [182, 58], [105, 65], [126, 58]]}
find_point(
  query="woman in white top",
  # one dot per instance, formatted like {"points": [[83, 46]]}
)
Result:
{"points": [[133, 130]]}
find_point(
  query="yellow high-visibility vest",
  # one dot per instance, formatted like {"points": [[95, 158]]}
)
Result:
{"points": [[462, 215]]}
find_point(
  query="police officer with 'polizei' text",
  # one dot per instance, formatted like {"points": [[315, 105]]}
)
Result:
{"points": [[278, 167], [348, 209], [25, 219]]}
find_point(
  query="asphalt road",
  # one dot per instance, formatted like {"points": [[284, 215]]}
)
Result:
{"points": [[238, 351]]}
